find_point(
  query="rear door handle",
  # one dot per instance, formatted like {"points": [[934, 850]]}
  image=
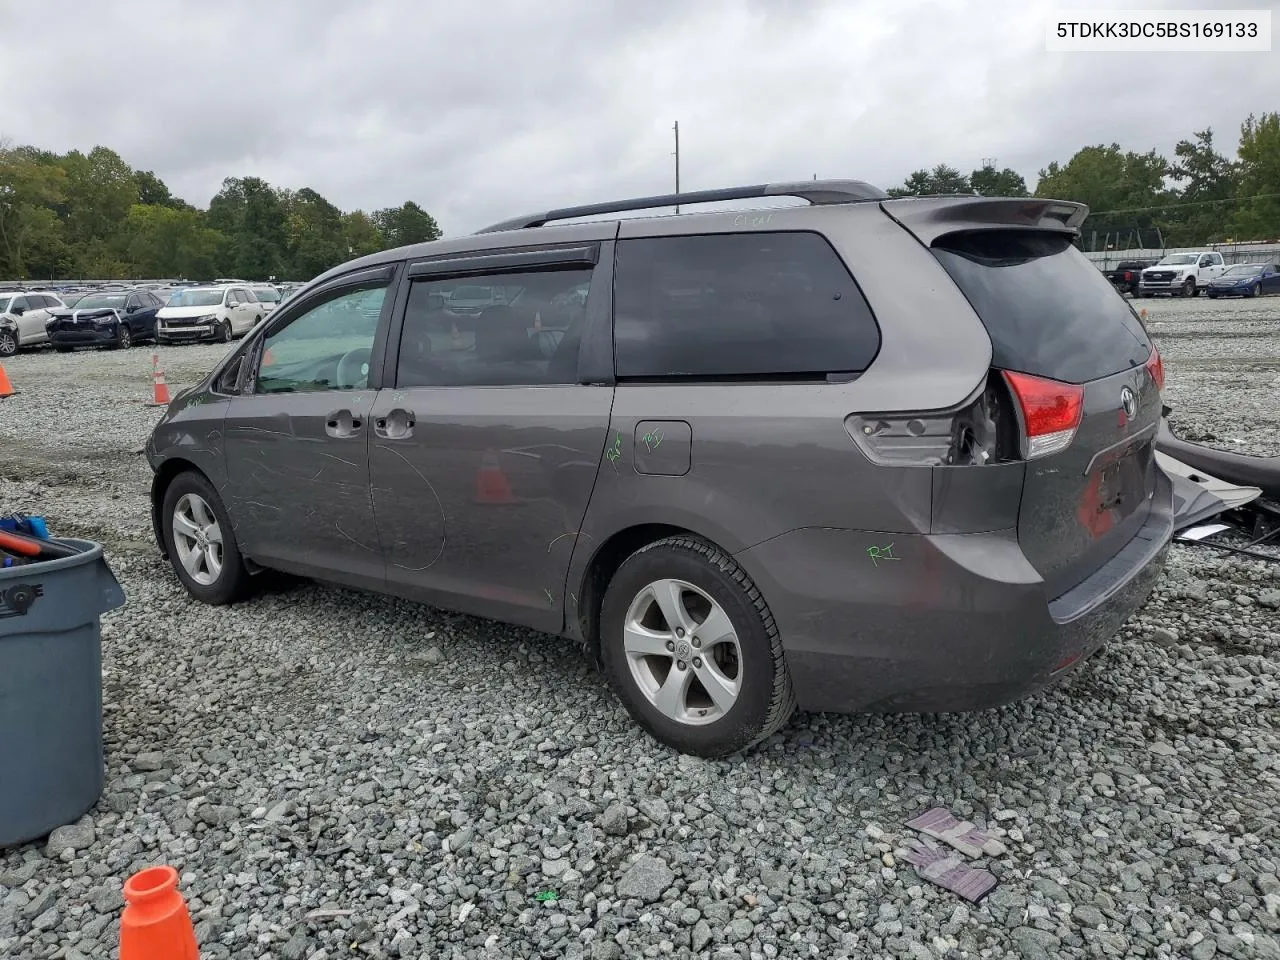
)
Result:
{"points": [[396, 424], [343, 423]]}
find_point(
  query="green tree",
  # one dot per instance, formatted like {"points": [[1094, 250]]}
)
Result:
{"points": [[248, 211], [1208, 184], [1124, 191], [942, 179], [991, 182], [314, 230], [403, 225], [1257, 213], [152, 190], [100, 190], [28, 189], [168, 241], [361, 234]]}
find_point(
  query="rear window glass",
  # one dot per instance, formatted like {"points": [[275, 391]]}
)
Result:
{"points": [[1048, 310], [740, 305]]}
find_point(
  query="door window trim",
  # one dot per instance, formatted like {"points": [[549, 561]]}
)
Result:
{"points": [[283, 316], [595, 354]]}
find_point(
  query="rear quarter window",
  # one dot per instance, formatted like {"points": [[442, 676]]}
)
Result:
{"points": [[738, 306], [1048, 310]]}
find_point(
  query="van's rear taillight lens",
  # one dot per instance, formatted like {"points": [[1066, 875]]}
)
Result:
{"points": [[1155, 367], [1051, 412]]}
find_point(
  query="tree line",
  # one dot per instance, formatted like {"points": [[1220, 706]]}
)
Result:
{"points": [[91, 215], [1145, 199]]}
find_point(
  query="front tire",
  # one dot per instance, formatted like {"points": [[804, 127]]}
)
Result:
{"points": [[224, 332], [1189, 287], [200, 542], [689, 643], [1256, 291], [124, 338], [8, 343]]}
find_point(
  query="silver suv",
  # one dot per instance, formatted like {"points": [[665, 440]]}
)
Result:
{"points": [[859, 454]]}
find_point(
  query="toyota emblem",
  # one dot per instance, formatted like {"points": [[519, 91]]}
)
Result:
{"points": [[1129, 402]]}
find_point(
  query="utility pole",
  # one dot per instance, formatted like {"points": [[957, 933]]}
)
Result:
{"points": [[676, 128]]}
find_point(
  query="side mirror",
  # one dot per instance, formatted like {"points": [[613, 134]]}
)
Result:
{"points": [[18, 310]]}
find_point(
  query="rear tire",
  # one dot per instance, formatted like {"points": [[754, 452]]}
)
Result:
{"points": [[702, 587], [191, 497]]}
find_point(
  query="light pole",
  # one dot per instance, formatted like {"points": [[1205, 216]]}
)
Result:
{"points": [[676, 128]]}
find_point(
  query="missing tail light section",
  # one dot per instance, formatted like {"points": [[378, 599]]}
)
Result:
{"points": [[982, 431]]}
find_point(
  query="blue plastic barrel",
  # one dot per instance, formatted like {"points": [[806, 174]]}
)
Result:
{"points": [[51, 763]]}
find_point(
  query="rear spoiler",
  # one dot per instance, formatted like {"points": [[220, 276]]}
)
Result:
{"points": [[929, 218]]}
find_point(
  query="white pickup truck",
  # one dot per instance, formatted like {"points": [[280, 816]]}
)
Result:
{"points": [[1184, 274]]}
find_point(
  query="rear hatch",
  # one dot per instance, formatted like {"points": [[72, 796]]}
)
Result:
{"points": [[1079, 372]]}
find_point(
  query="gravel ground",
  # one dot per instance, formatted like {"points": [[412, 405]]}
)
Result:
{"points": [[342, 775]]}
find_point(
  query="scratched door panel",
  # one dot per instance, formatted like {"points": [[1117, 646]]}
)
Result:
{"points": [[300, 495], [478, 507]]}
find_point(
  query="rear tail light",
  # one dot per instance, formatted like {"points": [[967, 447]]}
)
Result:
{"points": [[1155, 367], [1051, 412], [1128, 276]]}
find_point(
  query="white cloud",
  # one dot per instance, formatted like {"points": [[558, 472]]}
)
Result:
{"points": [[483, 110]]}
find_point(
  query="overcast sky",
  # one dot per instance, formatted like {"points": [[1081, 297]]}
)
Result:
{"points": [[484, 109]]}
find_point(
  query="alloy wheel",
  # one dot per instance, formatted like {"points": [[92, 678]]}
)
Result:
{"points": [[683, 652], [197, 538]]}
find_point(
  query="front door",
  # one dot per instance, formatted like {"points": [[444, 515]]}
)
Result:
{"points": [[297, 439], [484, 452]]}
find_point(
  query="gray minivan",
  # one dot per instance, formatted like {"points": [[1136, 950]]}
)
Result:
{"points": [[856, 454]]}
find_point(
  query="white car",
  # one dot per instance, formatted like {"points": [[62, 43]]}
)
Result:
{"points": [[22, 319], [208, 313], [1182, 273], [269, 297]]}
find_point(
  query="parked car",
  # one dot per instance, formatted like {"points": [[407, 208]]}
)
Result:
{"points": [[1184, 274], [1124, 276], [22, 319], [71, 299], [1247, 280], [112, 319], [208, 313], [741, 477], [268, 297], [469, 300]]}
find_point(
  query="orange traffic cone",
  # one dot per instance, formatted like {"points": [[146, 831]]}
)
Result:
{"points": [[159, 389], [155, 924], [6, 388], [491, 482]]}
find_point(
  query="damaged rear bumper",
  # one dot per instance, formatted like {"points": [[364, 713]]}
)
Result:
{"points": [[940, 623]]}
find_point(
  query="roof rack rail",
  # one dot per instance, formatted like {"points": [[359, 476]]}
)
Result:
{"points": [[815, 191]]}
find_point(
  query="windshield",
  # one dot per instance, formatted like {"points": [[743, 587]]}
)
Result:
{"points": [[101, 300], [195, 298], [266, 294], [1177, 259], [1244, 270]]}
